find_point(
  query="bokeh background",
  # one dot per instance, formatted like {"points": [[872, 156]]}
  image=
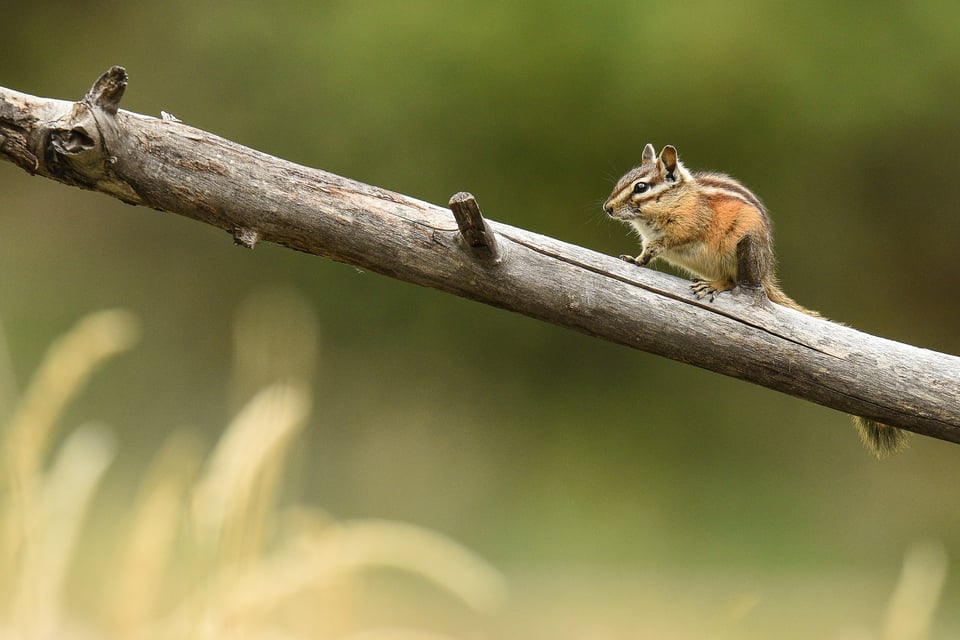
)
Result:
{"points": [[621, 495]]}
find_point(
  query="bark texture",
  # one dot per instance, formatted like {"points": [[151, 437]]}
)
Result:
{"points": [[167, 165]]}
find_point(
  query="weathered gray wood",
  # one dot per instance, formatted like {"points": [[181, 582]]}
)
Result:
{"points": [[473, 227], [167, 165]]}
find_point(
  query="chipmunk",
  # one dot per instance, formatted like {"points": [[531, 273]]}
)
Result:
{"points": [[695, 221]]}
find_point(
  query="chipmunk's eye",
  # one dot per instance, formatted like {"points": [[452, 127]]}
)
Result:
{"points": [[641, 187]]}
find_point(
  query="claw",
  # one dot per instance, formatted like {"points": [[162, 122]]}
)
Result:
{"points": [[704, 288]]}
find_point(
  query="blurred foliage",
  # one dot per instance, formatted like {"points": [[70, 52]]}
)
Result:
{"points": [[579, 465]]}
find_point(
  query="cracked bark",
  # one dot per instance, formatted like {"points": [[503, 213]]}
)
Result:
{"points": [[167, 165]]}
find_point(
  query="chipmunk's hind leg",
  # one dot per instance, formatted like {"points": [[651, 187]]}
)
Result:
{"points": [[754, 262]]}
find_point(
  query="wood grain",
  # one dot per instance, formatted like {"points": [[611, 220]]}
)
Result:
{"points": [[168, 165]]}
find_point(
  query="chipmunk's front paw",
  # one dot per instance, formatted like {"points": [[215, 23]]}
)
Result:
{"points": [[704, 288], [629, 259]]}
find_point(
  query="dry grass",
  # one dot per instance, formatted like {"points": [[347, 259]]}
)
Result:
{"points": [[210, 551], [910, 613], [244, 565], [44, 507]]}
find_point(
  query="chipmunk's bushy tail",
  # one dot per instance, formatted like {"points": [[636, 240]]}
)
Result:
{"points": [[883, 440], [776, 294]]}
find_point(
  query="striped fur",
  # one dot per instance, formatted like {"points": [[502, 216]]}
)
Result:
{"points": [[723, 185], [695, 221]]}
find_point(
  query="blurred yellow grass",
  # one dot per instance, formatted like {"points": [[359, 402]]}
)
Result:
{"points": [[329, 554], [241, 562], [210, 551], [909, 615], [61, 504], [233, 499], [148, 549], [30, 496], [69, 363]]}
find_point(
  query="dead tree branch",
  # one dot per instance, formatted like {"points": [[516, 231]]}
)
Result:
{"points": [[170, 166]]}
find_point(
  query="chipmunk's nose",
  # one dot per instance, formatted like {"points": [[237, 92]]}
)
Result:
{"points": [[608, 208]]}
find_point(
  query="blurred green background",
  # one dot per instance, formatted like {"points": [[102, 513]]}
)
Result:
{"points": [[604, 482]]}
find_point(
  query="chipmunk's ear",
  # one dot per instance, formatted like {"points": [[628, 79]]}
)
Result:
{"points": [[668, 160], [649, 154]]}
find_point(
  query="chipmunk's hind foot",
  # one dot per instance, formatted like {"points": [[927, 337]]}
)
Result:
{"points": [[704, 288]]}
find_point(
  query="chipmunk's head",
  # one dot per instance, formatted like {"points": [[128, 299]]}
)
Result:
{"points": [[656, 183]]}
